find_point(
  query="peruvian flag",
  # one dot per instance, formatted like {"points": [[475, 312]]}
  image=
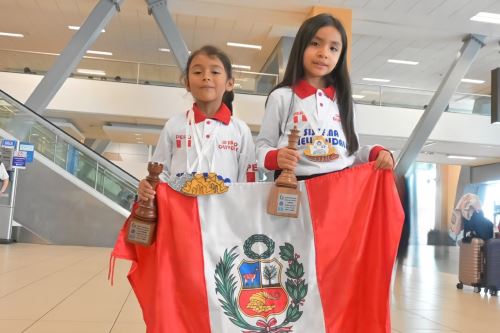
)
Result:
{"points": [[220, 263]]}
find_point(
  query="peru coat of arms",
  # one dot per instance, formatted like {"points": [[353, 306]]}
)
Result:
{"points": [[253, 296]]}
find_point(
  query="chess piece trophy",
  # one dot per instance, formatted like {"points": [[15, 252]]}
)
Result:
{"points": [[142, 225], [284, 198]]}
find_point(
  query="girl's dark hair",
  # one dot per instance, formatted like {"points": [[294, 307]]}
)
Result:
{"points": [[339, 77], [213, 51]]}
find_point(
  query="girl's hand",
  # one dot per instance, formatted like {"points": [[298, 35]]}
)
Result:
{"points": [[145, 191], [384, 160], [287, 158]]}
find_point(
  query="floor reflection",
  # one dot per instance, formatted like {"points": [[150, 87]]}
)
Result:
{"points": [[424, 296]]}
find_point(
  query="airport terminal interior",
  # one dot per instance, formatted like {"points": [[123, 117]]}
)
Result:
{"points": [[86, 87]]}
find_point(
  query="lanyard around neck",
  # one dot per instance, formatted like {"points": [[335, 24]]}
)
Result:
{"points": [[202, 146]]}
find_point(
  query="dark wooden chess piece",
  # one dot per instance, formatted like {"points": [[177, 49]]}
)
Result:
{"points": [[284, 198], [142, 225]]}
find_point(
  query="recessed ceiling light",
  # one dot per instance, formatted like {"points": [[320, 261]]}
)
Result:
{"points": [[137, 133], [358, 96], [90, 71], [100, 52], [242, 66], [403, 62], [486, 17], [375, 80], [162, 49], [75, 27], [462, 157], [248, 46], [11, 34], [473, 81]]}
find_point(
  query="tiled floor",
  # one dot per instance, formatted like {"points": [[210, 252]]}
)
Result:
{"points": [[60, 289]]}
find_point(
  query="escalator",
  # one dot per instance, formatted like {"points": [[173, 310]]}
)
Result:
{"points": [[69, 194]]}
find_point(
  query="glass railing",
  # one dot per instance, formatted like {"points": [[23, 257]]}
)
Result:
{"points": [[125, 71], [245, 81], [67, 152], [412, 98]]}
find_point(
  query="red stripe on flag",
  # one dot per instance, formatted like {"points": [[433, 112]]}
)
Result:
{"points": [[357, 219], [168, 277]]}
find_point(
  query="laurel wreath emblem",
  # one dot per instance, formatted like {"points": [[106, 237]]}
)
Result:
{"points": [[295, 287]]}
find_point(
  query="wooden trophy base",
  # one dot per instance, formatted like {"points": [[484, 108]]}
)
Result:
{"points": [[141, 232], [283, 201]]}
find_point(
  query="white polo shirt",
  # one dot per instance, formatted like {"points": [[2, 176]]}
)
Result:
{"points": [[3, 173], [230, 150], [287, 108]]}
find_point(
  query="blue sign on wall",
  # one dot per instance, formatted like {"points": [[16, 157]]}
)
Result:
{"points": [[29, 148], [19, 160], [9, 143]]}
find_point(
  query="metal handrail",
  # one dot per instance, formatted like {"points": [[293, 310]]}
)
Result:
{"points": [[414, 89], [71, 140]]}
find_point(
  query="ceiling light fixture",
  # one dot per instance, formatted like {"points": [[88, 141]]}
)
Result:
{"points": [[248, 46], [403, 62], [375, 80], [242, 66], [358, 96], [486, 17], [90, 71], [100, 52], [473, 81], [75, 27], [462, 157], [11, 34], [162, 49]]}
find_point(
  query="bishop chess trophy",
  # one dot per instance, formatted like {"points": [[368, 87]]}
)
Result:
{"points": [[284, 198], [142, 225]]}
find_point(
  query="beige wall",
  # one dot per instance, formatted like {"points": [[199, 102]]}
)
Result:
{"points": [[449, 175]]}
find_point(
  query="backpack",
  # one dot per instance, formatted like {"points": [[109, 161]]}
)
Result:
{"points": [[479, 226]]}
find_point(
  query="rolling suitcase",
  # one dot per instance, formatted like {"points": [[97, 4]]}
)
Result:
{"points": [[471, 264], [492, 249]]}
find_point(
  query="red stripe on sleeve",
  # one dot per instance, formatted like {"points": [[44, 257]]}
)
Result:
{"points": [[374, 153], [271, 161]]}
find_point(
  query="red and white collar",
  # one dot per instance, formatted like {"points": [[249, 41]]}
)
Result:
{"points": [[303, 90], [223, 114]]}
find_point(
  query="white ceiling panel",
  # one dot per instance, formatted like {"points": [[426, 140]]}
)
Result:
{"points": [[426, 7], [402, 6], [379, 5], [355, 3], [446, 8]]}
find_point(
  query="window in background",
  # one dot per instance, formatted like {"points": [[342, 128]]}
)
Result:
{"points": [[425, 197], [491, 204]]}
